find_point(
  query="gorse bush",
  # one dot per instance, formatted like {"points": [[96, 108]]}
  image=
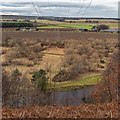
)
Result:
{"points": [[40, 79]]}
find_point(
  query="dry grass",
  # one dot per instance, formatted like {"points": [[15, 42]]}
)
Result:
{"points": [[107, 110], [51, 60]]}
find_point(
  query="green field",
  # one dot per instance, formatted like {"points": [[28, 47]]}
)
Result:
{"points": [[68, 25], [86, 26], [76, 26], [57, 24], [52, 26], [85, 80]]}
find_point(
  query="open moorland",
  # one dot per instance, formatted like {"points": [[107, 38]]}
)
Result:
{"points": [[58, 71], [59, 52]]}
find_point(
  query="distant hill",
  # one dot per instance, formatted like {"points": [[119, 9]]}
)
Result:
{"points": [[51, 17]]}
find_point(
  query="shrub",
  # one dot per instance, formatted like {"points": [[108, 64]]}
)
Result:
{"points": [[40, 79], [62, 76], [107, 90], [102, 27], [102, 61], [88, 55], [12, 86], [37, 48]]}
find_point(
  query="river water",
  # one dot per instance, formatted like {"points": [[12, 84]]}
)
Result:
{"points": [[71, 97]]}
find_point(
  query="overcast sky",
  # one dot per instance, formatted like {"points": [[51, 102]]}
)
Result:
{"points": [[73, 8]]}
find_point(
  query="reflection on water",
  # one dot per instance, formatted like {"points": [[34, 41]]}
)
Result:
{"points": [[59, 98], [72, 97]]}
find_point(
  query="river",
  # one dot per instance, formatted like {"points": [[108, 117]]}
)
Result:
{"points": [[71, 97]]}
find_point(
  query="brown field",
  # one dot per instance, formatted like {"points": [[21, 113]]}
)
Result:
{"points": [[61, 35]]}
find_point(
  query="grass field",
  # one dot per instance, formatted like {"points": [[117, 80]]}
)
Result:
{"points": [[51, 26], [68, 25], [84, 80], [78, 24]]}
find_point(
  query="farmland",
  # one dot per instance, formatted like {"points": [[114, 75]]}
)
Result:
{"points": [[76, 26], [53, 35], [41, 24], [77, 23]]}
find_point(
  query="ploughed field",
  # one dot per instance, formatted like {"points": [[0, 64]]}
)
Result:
{"points": [[54, 35]]}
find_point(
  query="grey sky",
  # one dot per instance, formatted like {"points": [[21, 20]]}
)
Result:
{"points": [[98, 8]]}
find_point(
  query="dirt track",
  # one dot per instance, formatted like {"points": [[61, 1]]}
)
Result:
{"points": [[61, 35]]}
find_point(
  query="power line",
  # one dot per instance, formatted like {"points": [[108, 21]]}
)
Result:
{"points": [[87, 8], [37, 3], [49, 6], [35, 8], [81, 7]]}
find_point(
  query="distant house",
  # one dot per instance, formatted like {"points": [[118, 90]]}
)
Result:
{"points": [[25, 29], [22, 29], [94, 29], [59, 19]]}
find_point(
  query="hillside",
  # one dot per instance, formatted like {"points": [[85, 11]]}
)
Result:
{"points": [[103, 93], [109, 110]]}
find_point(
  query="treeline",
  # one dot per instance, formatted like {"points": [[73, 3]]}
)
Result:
{"points": [[19, 91], [15, 24]]}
